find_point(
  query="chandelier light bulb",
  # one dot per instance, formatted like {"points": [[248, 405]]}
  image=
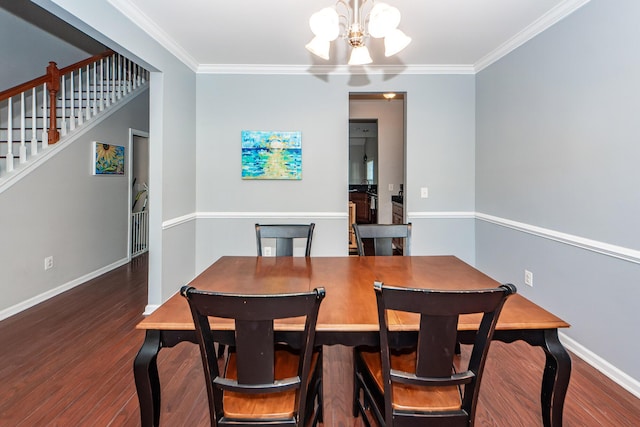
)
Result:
{"points": [[319, 47], [325, 24], [383, 19], [394, 42], [360, 56]]}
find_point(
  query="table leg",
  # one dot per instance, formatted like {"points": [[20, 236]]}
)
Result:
{"points": [[555, 381], [557, 369], [145, 371]]}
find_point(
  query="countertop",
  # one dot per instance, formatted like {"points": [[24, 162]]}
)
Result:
{"points": [[371, 190]]}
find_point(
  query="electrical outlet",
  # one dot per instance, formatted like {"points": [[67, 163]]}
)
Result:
{"points": [[266, 251], [424, 192], [48, 262], [528, 278]]}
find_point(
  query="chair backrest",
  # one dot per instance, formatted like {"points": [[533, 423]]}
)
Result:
{"points": [[382, 236], [437, 338], [284, 235], [254, 342]]}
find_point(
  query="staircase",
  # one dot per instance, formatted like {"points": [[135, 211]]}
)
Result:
{"points": [[37, 114]]}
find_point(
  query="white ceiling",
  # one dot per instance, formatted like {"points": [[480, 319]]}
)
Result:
{"points": [[262, 35]]}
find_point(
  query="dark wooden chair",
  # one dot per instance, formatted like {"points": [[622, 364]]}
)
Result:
{"points": [[411, 384], [382, 236], [284, 235], [267, 380]]}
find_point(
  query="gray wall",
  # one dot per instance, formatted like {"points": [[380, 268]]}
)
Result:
{"points": [[60, 209], [557, 161], [171, 137], [440, 147], [26, 51]]}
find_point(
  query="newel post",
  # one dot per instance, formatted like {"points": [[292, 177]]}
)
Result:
{"points": [[53, 73]]}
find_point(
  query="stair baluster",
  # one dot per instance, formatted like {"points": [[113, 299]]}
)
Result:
{"points": [[9, 156], [45, 135], [34, 122], [94, 105], [87, 107], [113, 76], [80, 107], [23, 147], [101, 102]]}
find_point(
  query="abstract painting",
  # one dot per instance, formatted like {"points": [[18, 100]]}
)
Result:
{"points": [[108, 159], [271, 155]]}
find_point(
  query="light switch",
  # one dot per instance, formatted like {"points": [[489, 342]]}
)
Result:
{"points": [[424, 192], [390, 187]]}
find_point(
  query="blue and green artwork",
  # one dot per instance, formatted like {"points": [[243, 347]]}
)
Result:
{"points": [[271, 155]]}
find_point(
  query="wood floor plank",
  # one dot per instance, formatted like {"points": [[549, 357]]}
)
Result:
{"points": [[68, 362]]}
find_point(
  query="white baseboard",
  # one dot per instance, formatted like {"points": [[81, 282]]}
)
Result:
{"points": [[10, 311], [150, 308], [619, 377]]}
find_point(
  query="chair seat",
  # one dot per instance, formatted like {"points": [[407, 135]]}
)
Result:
{"points": [[270, 406], [408, 397]]}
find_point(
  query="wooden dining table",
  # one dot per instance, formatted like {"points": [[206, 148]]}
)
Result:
{"points": [[348, 314]]}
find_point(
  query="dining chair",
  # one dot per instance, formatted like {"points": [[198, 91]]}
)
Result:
{"points": [[415, 383], [284, 235], [268, 378], [382, 236]]}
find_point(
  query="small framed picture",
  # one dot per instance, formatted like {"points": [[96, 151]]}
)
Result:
{"points": [[108, 159]]}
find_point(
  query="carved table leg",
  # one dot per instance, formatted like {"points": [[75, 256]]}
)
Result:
{"points": [[557, 372], [145, 372]]}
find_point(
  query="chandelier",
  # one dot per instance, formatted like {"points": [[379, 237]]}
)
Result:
{"points": [[381, 21]]}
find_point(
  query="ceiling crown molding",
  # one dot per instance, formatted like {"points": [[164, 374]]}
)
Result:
{"points": [[331, 69], [555, 15], [154, 31], [550, 18]]}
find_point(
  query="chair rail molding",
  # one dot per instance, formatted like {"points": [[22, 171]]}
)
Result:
{"points": [[253, 215], [620, 252]]}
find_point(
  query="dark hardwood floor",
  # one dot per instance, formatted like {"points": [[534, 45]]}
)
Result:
{"points": [[68, 362]]}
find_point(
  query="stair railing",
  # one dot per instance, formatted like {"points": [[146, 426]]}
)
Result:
{"points": [[54, 104]]}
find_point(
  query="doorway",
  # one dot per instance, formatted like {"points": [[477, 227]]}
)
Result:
{"points": [[138, 192], [376, 158]]}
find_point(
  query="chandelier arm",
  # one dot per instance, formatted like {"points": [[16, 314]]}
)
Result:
{"points": [[344, 18]]}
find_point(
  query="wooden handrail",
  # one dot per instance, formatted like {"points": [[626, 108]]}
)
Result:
{"points": [[17, 90], [52, 80], [85, 62]]}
